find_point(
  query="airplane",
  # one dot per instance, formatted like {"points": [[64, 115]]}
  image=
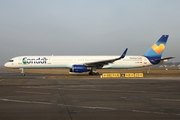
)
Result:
{"points": [[81, 64]]}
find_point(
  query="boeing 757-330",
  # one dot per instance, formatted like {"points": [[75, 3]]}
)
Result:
{"points": [[80, 64]]}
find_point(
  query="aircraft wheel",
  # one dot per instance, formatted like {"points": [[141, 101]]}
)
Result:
{"points": [[90, 73], [97, 73], [23, 74], [93, 73]]}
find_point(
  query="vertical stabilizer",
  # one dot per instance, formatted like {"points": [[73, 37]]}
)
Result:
{"points": [[155, 52]]}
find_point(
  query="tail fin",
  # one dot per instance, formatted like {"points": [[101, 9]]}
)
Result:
{"points": [[156, 51]]}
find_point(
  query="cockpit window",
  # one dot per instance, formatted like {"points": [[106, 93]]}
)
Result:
{"points": [[11, 60]]}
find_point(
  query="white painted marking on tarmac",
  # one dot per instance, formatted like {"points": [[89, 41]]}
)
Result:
{"points": [[89, 107], [33, 92], [95, 90], [21, 101], [149, 112], [86, 107], [174, 100], [141, 111], [48, 103], [98, 90]]}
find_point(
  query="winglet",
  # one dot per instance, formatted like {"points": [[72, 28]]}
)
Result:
{"points": [[124, 54]]}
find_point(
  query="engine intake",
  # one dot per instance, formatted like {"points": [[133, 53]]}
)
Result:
{"points": [[79, 68]]}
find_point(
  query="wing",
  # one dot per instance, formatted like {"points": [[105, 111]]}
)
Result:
{"points": [[100, 64]]}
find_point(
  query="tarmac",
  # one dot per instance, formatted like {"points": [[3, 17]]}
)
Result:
{"points": [[40, 98]]}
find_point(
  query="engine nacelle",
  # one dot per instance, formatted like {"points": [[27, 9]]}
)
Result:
{"points": [[79, 68]]}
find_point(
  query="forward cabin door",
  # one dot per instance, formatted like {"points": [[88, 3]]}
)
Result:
{"points": [[49, 61], [20, 61]]}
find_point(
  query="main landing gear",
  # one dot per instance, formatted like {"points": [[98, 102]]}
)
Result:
{"points": [[93, 71]]}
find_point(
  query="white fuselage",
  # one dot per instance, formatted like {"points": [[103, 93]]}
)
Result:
{"points": [[69, 61]]}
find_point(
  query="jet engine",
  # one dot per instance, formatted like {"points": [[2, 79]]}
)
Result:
{"points": [[80, 68]]}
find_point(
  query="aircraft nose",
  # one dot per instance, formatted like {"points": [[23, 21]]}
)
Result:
{"points": [[6, 65]]}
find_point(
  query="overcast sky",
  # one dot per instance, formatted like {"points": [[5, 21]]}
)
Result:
{"points": [[87, 27]]}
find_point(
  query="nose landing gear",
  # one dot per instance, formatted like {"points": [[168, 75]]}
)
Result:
{"points": [[22, 71]]}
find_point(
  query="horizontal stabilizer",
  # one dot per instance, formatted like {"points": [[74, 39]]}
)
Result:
{"points": [[163, 59]]}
